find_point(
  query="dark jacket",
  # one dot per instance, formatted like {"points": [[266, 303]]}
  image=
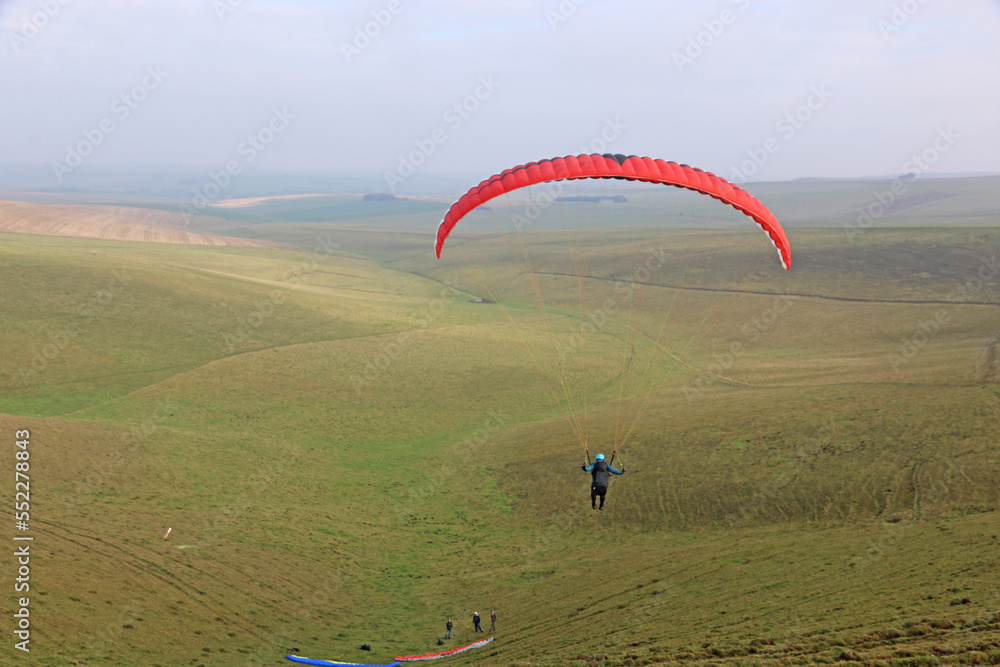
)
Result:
{"points": [[475, 619], [448, 625], [599, 471]]}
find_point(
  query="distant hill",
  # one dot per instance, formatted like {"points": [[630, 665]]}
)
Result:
{"points": [[381, 196], [117, 223]]}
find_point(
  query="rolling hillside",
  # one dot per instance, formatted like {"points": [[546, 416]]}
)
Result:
{"points": [[349, 449]]}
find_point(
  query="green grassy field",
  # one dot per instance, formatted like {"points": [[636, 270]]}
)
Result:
{"points": [[348, 449]]}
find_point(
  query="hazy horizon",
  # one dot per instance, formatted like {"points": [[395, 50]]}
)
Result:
{"points": [[753, 91]]}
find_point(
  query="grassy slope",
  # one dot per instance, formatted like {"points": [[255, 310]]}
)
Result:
{"points": [[343, 474]]}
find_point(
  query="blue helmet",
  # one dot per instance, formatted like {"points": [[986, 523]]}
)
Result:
{"points": [[599, 457]]}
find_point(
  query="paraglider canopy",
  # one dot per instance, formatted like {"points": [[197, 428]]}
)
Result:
{"points": [[624, 167]]}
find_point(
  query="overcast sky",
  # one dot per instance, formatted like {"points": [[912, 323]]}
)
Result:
{"points": [[759, 89]]}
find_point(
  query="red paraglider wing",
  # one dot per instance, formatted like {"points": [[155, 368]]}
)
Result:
{"points": [[630, 168]]}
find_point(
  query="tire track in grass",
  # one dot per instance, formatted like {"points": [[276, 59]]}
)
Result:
{"points": [[146, 567], [803, 295], [139, 564]]}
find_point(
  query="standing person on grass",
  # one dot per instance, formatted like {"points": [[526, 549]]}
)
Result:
{"points": [[447, 627], [599, 471], [475, 621], [493, 620]]}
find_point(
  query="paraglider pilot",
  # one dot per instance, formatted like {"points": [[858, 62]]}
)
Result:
{"points": [[599, 471]]}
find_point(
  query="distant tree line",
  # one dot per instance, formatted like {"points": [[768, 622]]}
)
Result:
{"points": [[617, 199]]}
